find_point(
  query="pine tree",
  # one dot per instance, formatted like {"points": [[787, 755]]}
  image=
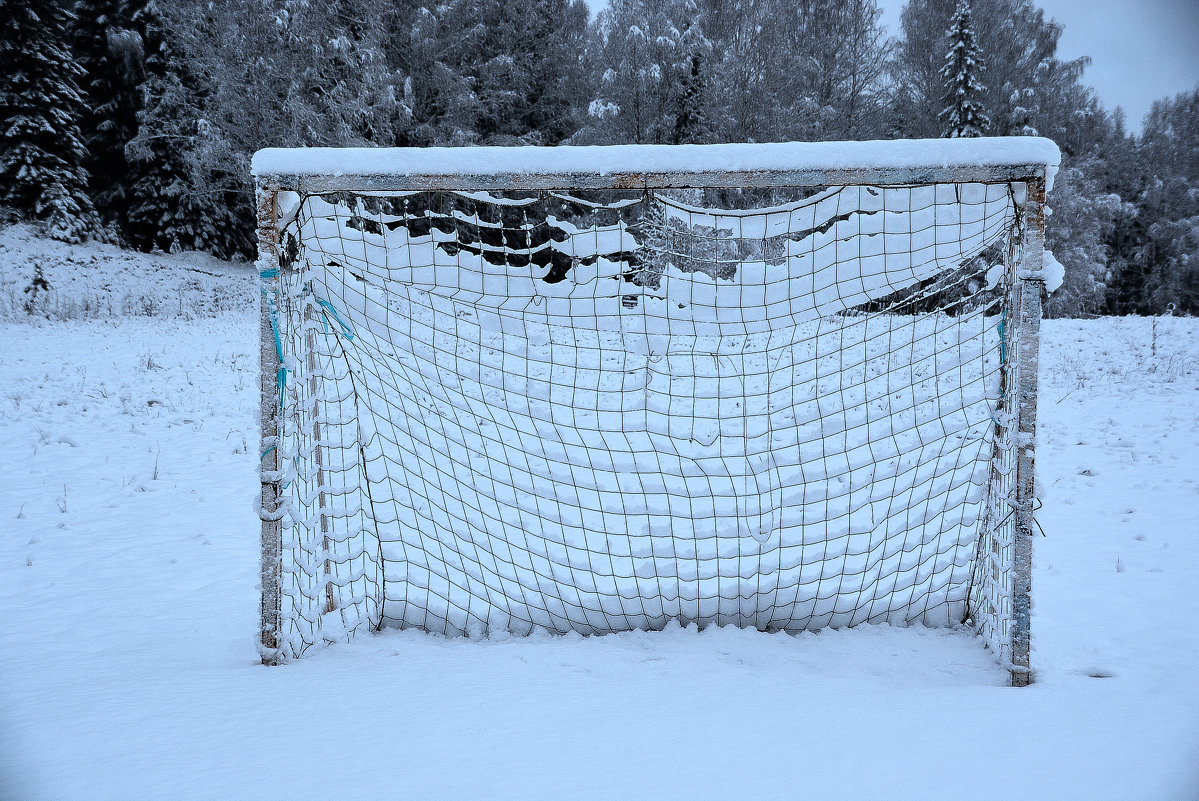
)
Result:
{"points": [[642, 49], [963, 114], [1160, 264], [166, 209], [1029, 90], [490, 71], [783, 70], [111, 55], [691, 123], [1083, 218], [41, 149]]}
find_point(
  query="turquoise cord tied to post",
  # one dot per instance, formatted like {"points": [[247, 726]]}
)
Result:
{"points": [[272, 312], [1002, 361], [1003, 338], [327, 309]]}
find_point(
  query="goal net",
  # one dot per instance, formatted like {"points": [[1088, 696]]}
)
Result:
{"points": [[518, 400]]}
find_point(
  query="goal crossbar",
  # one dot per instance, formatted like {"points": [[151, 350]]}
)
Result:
{"points": [[783, 164], [367, 252]]}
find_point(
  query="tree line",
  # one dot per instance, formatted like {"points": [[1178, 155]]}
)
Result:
{"points": [[134, 120]]}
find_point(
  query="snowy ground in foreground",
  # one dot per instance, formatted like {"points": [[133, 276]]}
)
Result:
{"points": [[128, 565]]}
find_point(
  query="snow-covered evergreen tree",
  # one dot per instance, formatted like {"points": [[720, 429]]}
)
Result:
{"points": [[110, 52], [691, 118], [786, 70], [1083, 216], [491, 71], [41, 150], [1028, 88], [525, 69], [167, 208], [1160, 254], [648, 58], [963, 114]]}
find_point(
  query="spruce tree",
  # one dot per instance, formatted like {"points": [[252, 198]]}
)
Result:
{"points": [[642, 51], [111, 55], [691, 123], [165, 209], [41, 150], [963, 115]]}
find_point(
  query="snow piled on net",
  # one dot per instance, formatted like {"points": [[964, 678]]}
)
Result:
{"points": [[594, 414]]}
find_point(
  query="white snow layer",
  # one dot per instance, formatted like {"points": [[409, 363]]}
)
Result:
{"points": [[632, 159], [1053, 273], [129, 564]]}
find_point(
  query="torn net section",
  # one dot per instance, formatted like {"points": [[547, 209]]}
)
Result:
{"points": [[602, 411]]}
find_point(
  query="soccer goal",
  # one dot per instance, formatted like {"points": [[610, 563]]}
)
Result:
{"points": [[595, 389]]}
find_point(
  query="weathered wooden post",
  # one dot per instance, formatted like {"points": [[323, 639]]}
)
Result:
{"points": [[1026, 305], [271, 357]]}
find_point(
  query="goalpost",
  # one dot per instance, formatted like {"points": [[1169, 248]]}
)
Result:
{"points": [[788, 386]]}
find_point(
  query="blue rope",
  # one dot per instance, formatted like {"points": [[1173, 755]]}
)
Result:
{"points": [[1003, 339], [1002, 362], [327, 309], [272, 312]]}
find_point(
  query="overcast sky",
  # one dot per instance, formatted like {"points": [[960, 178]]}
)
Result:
{"points": [[1141, 50]]}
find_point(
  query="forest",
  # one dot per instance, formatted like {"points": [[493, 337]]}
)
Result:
{"points": [[133, 121]]}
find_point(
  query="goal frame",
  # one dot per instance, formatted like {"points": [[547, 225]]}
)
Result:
{"points": [[1012, 160]]}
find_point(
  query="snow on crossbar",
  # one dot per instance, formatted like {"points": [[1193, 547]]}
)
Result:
{"points": [[657, 166], [598, 389]]}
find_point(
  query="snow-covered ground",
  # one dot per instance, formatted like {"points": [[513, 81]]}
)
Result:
{"points": [[128, 571]]}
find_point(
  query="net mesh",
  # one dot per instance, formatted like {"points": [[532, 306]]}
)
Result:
{"points": [[600, 411]]}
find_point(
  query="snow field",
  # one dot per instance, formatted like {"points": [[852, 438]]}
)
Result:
{"points": [[129, 559], [102, 282]]}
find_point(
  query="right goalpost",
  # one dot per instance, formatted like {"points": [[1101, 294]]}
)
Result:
{"points": [[594, 389]]}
